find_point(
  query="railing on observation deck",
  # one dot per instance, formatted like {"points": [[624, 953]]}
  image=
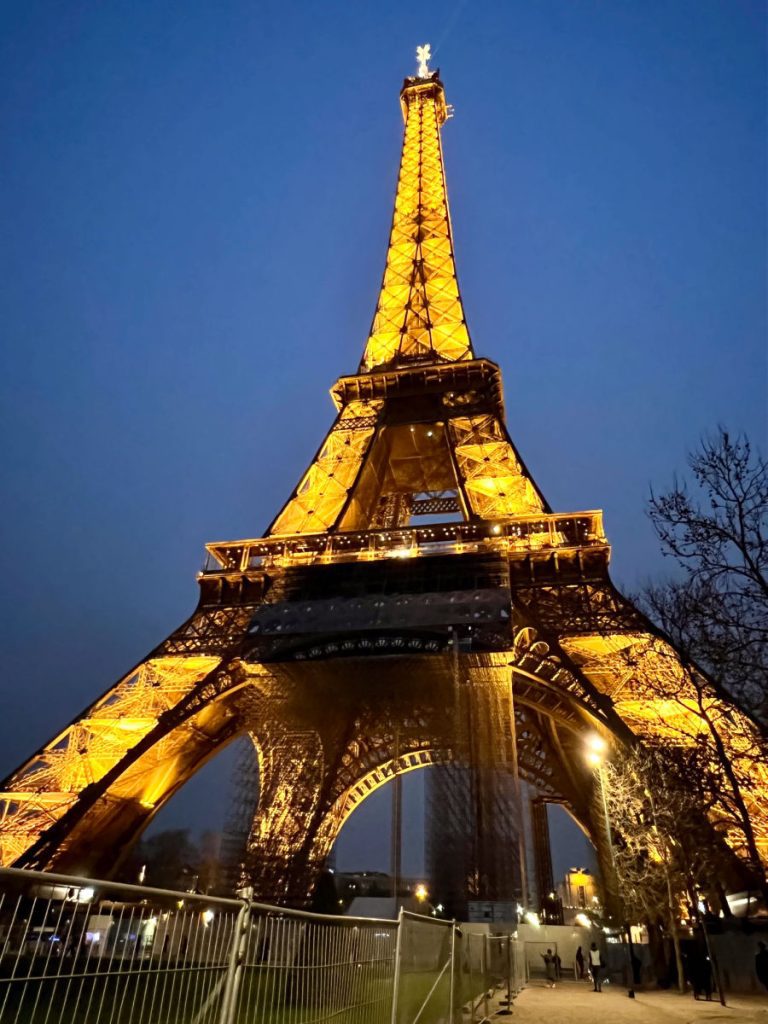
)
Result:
{"points": [[520, 535], [95, 952]]}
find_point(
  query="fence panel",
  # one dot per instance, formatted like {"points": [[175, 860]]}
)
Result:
{"points": [[494, 971], [79, 951], [427, 978], [76, 951], [306, 968], [477, 979]]}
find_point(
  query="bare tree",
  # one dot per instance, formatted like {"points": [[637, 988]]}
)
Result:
{"points": [[666, 857], [716, 528], [716, 615], [710, 746], [652, 872]]}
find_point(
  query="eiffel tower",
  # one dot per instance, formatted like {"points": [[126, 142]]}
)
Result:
{"points": [[415, 602]]}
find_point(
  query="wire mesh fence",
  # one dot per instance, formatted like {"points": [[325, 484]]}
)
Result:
{"points": [[79, 951], [303, 968], [74, 950], [426, 987], [494, 973]]}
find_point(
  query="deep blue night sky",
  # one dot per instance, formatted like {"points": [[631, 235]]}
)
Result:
{"points": [[195, 204]]}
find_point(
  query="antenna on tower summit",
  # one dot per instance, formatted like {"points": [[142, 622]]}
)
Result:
{"points": [[423, 56]]}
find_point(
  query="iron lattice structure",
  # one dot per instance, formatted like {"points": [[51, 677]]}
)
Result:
{"points": [[359, 640]]}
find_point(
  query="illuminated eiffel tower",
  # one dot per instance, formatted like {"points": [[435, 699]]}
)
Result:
{"points": [[415, 602]]}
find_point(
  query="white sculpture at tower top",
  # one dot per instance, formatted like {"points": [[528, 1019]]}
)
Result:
{"points": [[423, 56]]}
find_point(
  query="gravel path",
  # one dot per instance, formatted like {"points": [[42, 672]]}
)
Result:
{"points": [[575, 1003]]}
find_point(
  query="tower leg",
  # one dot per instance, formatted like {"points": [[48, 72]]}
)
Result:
{"points": [[285, 850], [396, 838], [542, 850]]}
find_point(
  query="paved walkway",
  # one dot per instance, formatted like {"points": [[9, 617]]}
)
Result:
{"points": [[574, 1002]]}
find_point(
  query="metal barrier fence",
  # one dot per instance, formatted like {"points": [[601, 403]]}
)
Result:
{"points": [[79, 951], [495, 973]]}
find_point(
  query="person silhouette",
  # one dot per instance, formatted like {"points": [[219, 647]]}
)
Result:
{"points": [[579, 963], [550, 968], [595, 967], [761, 964]]}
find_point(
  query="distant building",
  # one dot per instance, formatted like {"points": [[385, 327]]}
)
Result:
{"points": [[354, 884], [577, 892], [369, 894]]}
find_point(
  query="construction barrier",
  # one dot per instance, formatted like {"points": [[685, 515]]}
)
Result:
{"points": [[83, 951]]}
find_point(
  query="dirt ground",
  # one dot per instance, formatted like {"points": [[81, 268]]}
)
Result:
{"points": [[575, 1003]]}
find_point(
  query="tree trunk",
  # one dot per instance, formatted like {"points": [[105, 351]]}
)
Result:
{"points": [[678, 952]]}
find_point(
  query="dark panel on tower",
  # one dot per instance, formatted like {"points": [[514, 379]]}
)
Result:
{"points": [[542, 850]]}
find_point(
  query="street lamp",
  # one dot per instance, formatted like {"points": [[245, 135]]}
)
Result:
{"points": [[422, 895], [596, 748], [595, 756]]}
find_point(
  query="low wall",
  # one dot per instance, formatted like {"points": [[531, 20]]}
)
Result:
{"points": [[563, 939], [735, 955]]}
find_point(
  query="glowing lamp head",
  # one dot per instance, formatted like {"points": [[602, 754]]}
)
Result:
{"points": [[420, 892], [596, 748]]}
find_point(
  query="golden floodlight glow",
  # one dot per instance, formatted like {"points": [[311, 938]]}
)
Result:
{"points": [[418, 464], [596, 748], [596, 744], [419, 314]]}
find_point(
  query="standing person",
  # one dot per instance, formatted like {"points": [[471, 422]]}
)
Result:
{"points": [[706, 978], [549, 968], [700, 973], [761, 964], [579, 964], [637, 968], [596, 966]]}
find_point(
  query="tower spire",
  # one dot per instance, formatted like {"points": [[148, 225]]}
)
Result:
{"points": [[423, 56], [419, 315]]}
